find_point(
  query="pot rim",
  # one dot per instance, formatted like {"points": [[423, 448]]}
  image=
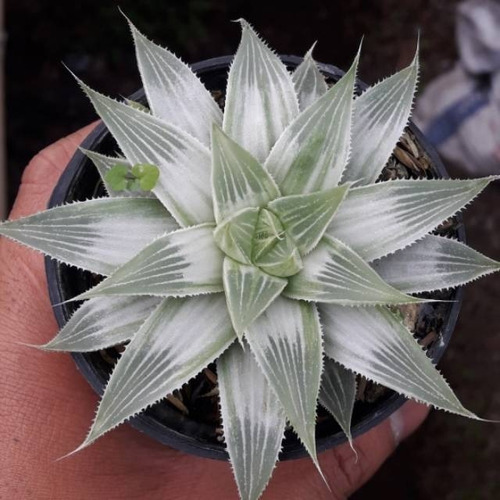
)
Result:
{"points": [[147, 423]]}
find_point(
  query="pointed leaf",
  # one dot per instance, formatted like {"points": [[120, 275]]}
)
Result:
{"points": [[283, 260], [380, 115], [252, 418], [312, 152], [249, 291], [238, 179], [379, 219], [286, 340], [183, 161], [104, 164], [338, 394], [174, 92], [309, 83], [176, 342], [98, 235], [374, 342], [234, 236], [335, 274], [261, 99], [306, 217], [181, 263], [268, 232], [434, 263], [103, 322]]}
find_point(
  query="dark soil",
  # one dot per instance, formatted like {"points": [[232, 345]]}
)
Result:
{"points": [[450, 457]]}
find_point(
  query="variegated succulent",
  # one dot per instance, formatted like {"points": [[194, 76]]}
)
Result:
{"points": [[267, 245]]}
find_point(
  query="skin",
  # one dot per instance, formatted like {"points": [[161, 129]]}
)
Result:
{"points": [[47, 406]]}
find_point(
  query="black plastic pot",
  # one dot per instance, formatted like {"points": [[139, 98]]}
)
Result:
{"points": [[80, 181]]}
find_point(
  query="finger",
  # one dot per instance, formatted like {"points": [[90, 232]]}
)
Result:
{"points": [[43, 171], [346, 472], [23, 289]]}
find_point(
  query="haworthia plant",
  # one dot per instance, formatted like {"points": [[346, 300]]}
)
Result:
{"points": [[266, 245]]}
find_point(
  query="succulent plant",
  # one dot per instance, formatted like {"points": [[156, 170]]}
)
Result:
{"points": [[267, 244]]}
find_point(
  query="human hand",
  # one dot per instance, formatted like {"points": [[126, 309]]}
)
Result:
{"points": [[47, 407]]}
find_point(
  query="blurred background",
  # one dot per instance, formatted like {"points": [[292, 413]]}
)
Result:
{"points": [[450, 457]]}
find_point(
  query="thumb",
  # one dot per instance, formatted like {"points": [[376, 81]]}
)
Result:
{"points": [[43, 172], [346, 472]]}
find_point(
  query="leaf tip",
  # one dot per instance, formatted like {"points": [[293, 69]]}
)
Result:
{"points": [[308, 54]]}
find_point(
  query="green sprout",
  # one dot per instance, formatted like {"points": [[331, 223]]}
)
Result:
{"points": [[141, 176]]}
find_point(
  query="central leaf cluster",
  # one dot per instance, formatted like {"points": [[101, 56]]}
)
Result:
{"points": [[258, 237]]}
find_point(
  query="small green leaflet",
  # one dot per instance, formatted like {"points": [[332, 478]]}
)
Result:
{"points": [[147, 174], [142, 175], [117, 179], [104, 164]]}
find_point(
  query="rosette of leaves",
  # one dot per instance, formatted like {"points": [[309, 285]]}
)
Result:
{"points": [[266, 245]]}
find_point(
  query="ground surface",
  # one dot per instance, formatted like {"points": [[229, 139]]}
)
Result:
{"points": [[450, 457]]}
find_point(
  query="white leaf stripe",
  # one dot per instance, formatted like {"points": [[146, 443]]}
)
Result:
{"points": [[253, 420], [333, 273], [380, 115], [174, 92], [98, 235], [260, 99], [401, 212], [434, 263], [338, 394], [103, 322], [181, 263], [373, 342], [309, 83], [184, 162], [286, 341], [307, 216], [249, 291], [238, 180], [178, 340], [312, 152]]}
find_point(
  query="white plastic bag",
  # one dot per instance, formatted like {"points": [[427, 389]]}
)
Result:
{"points": [[460, 111]]}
